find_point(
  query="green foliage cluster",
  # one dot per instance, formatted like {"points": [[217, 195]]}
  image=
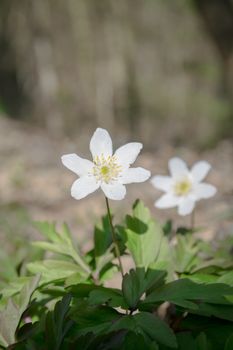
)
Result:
{"points": [[179, 294]]}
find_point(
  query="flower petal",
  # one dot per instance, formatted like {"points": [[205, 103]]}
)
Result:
{"points": [[84, 186], [167, 201], [77, 164], [204, 190], [128, 153], [186, 206], [200, 170], [115, 191], [133, 175], [177, 167], [163, 183], [101, 143]]}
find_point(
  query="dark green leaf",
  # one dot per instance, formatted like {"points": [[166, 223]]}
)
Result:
{"points": [[229, 343], [56, 324], [148, 325], [187, 289]]}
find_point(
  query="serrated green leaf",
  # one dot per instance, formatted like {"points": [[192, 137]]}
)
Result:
{"points": [[61, 243], [143, 236], [102, 238], [96, 319], [56, 325], [137, 282], [186, 289], [185, 253], [52, 270], [149, 325], [111, 297]]}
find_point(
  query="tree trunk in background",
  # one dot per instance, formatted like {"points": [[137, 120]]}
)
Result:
{"points": [[218, 19], [70, 62], [72, 65]]}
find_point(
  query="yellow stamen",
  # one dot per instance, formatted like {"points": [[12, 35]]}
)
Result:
{"points": [[106, 169], [183, 187]]}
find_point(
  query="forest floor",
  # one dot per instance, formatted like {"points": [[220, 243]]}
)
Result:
{"points": [[34, 185]]}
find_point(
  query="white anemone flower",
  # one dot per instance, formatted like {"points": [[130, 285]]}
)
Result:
{"points": [[184, 187], [108, 171]]}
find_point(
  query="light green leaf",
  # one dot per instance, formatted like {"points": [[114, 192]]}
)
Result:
{"points": [[143, 236], [52, 270], [185, 253], [60, 243], [10, 316]]}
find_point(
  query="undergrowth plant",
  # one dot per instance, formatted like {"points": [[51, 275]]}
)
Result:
{"points": [[178, 295]]}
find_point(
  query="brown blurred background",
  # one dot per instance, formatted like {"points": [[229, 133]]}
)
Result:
{"points": [[140, 66], [157, 71]]}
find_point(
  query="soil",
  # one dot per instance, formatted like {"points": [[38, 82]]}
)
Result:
{"points": [[33, 177]]}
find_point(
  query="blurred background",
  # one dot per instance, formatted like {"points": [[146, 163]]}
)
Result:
{"points": [[155, 71]]}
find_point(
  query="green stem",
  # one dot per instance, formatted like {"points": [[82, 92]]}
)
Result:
{"points": [[192, 219], [114, 239]]}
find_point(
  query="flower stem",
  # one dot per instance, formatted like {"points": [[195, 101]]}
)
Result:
{"points": [[192, 219], [114, 239]]}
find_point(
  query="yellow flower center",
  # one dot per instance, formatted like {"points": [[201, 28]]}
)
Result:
{"points": [[106, 169], [183, 187]]}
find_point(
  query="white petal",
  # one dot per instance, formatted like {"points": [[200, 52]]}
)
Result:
{"points": [[200, 170], [163, 183], [167, 201], [204, 190], [114, 191], [128, 153], [177, 167], [84, 186], [101, 143], [77, 164], [186, 206], [132, 175]]}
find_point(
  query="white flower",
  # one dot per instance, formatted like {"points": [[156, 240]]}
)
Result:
{"points": [[184, 187], [106, 171]]}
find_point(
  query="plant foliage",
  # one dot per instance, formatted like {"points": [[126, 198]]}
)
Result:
{"points": [[179, 294]]}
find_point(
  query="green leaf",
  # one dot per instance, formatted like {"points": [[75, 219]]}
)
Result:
{"points": [[184, 339], [221, 311], [137, 282], [227, 278], [158, 330], [229, 343], [102, 238], [143, 236], [202, 278], [60, 243], [148, 325], [187, 289], [185, 253], [53, 270], [89, 318], [111, 297], [202, 342], [133, 341], [56, 325], [11, 315]]}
